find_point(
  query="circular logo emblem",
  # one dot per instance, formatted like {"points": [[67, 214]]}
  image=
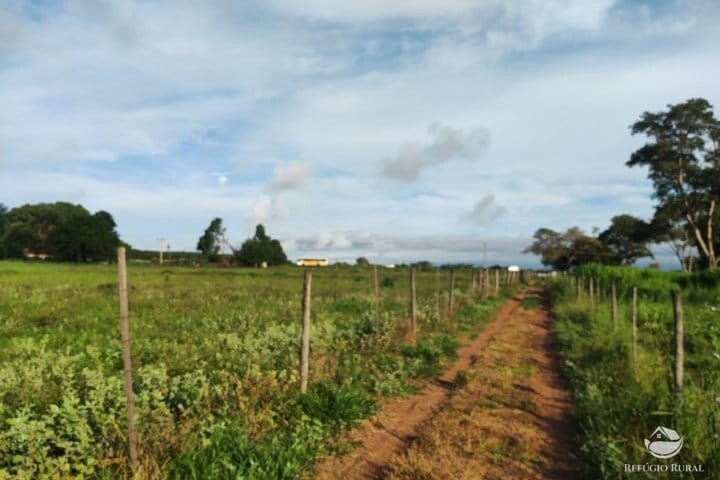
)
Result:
{"points": [[664, 443]]}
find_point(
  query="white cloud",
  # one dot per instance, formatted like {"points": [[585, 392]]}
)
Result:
{"points": [[265, 208], [485, 211], [375, 10], [446, 144], [290, 176]]}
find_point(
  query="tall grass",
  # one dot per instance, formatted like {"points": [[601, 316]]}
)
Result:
{"points": [[618, 403]]}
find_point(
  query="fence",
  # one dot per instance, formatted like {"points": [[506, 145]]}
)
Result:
{"points": [[475, 282]]}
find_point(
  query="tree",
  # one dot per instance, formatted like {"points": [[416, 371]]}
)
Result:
{"points": [[423, 265], [362, 262], [627, 237], [261, 248], [67, 232], [211, 241], [85, 237], [4, 213], [668, 226], [683, 160], [563, 251], [4, 221]]}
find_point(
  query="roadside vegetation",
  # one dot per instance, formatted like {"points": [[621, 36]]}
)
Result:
{"points": [[619, 401]]}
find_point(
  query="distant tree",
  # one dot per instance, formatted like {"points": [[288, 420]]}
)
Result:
{"points": [[683, 160], [4, 213], [628, 237], [423, 265], [563, 251], [4, 222], [67, 232], [362, 262], [211, 241], [85, 237], [19, 237], [669, 227], [261, 248]]}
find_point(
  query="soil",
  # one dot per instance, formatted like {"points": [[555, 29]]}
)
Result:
{"points": [[511, 420]]}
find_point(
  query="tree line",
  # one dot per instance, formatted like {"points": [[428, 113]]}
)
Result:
{"points": [[61, 231], [682, 155], [255, 251]]}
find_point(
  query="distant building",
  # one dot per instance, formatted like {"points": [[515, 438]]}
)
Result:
{"points": [[390, 265], [40, 255], [513, 268], [312, 262]]}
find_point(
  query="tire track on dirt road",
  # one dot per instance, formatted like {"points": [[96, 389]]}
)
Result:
{"points": [[512, 419]]}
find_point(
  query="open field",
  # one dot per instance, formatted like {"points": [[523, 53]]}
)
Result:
{"points": [[215, 365]]}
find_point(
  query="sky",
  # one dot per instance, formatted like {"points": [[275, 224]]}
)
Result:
{"points": [[398, 130]]}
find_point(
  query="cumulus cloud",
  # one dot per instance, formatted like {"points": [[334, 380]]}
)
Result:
{"points": [[578, 13], [358, 240], [347, 244], [285, 178], [290, 176], [265, 208], [375, 10], [446, 144], [485, 211]]}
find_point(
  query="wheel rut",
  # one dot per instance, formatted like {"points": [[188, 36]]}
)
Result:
{"points": [[527, 417]]}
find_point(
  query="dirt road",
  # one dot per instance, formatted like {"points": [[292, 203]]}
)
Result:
{"points": [[511, 419]]}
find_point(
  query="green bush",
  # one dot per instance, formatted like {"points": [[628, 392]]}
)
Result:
{"points": [[336, 406]]}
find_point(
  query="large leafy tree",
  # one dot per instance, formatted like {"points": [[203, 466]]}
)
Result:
{"points": [[85, 237], [212, 239], [3, 218], [669, 226], [574, 247], [628, 238], [683, 160], [261, 248], [65, 231]]}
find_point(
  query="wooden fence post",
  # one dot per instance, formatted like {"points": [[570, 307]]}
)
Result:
{"points": [[413, 304], [592, 293], [578, 285], [613, 292], [452, 291], [305, 335], [437, 293], [634, 326], [485, 283], [679, 340], [473, 274], [127, 358], [376, 289]]}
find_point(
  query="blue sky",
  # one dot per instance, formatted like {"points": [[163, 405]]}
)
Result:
{"points": [[398, 130]]}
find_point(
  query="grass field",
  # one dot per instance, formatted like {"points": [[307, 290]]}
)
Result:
{"points": [[215, 357]]}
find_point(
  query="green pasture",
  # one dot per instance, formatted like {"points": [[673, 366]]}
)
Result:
{"points": [[215, 355]]}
